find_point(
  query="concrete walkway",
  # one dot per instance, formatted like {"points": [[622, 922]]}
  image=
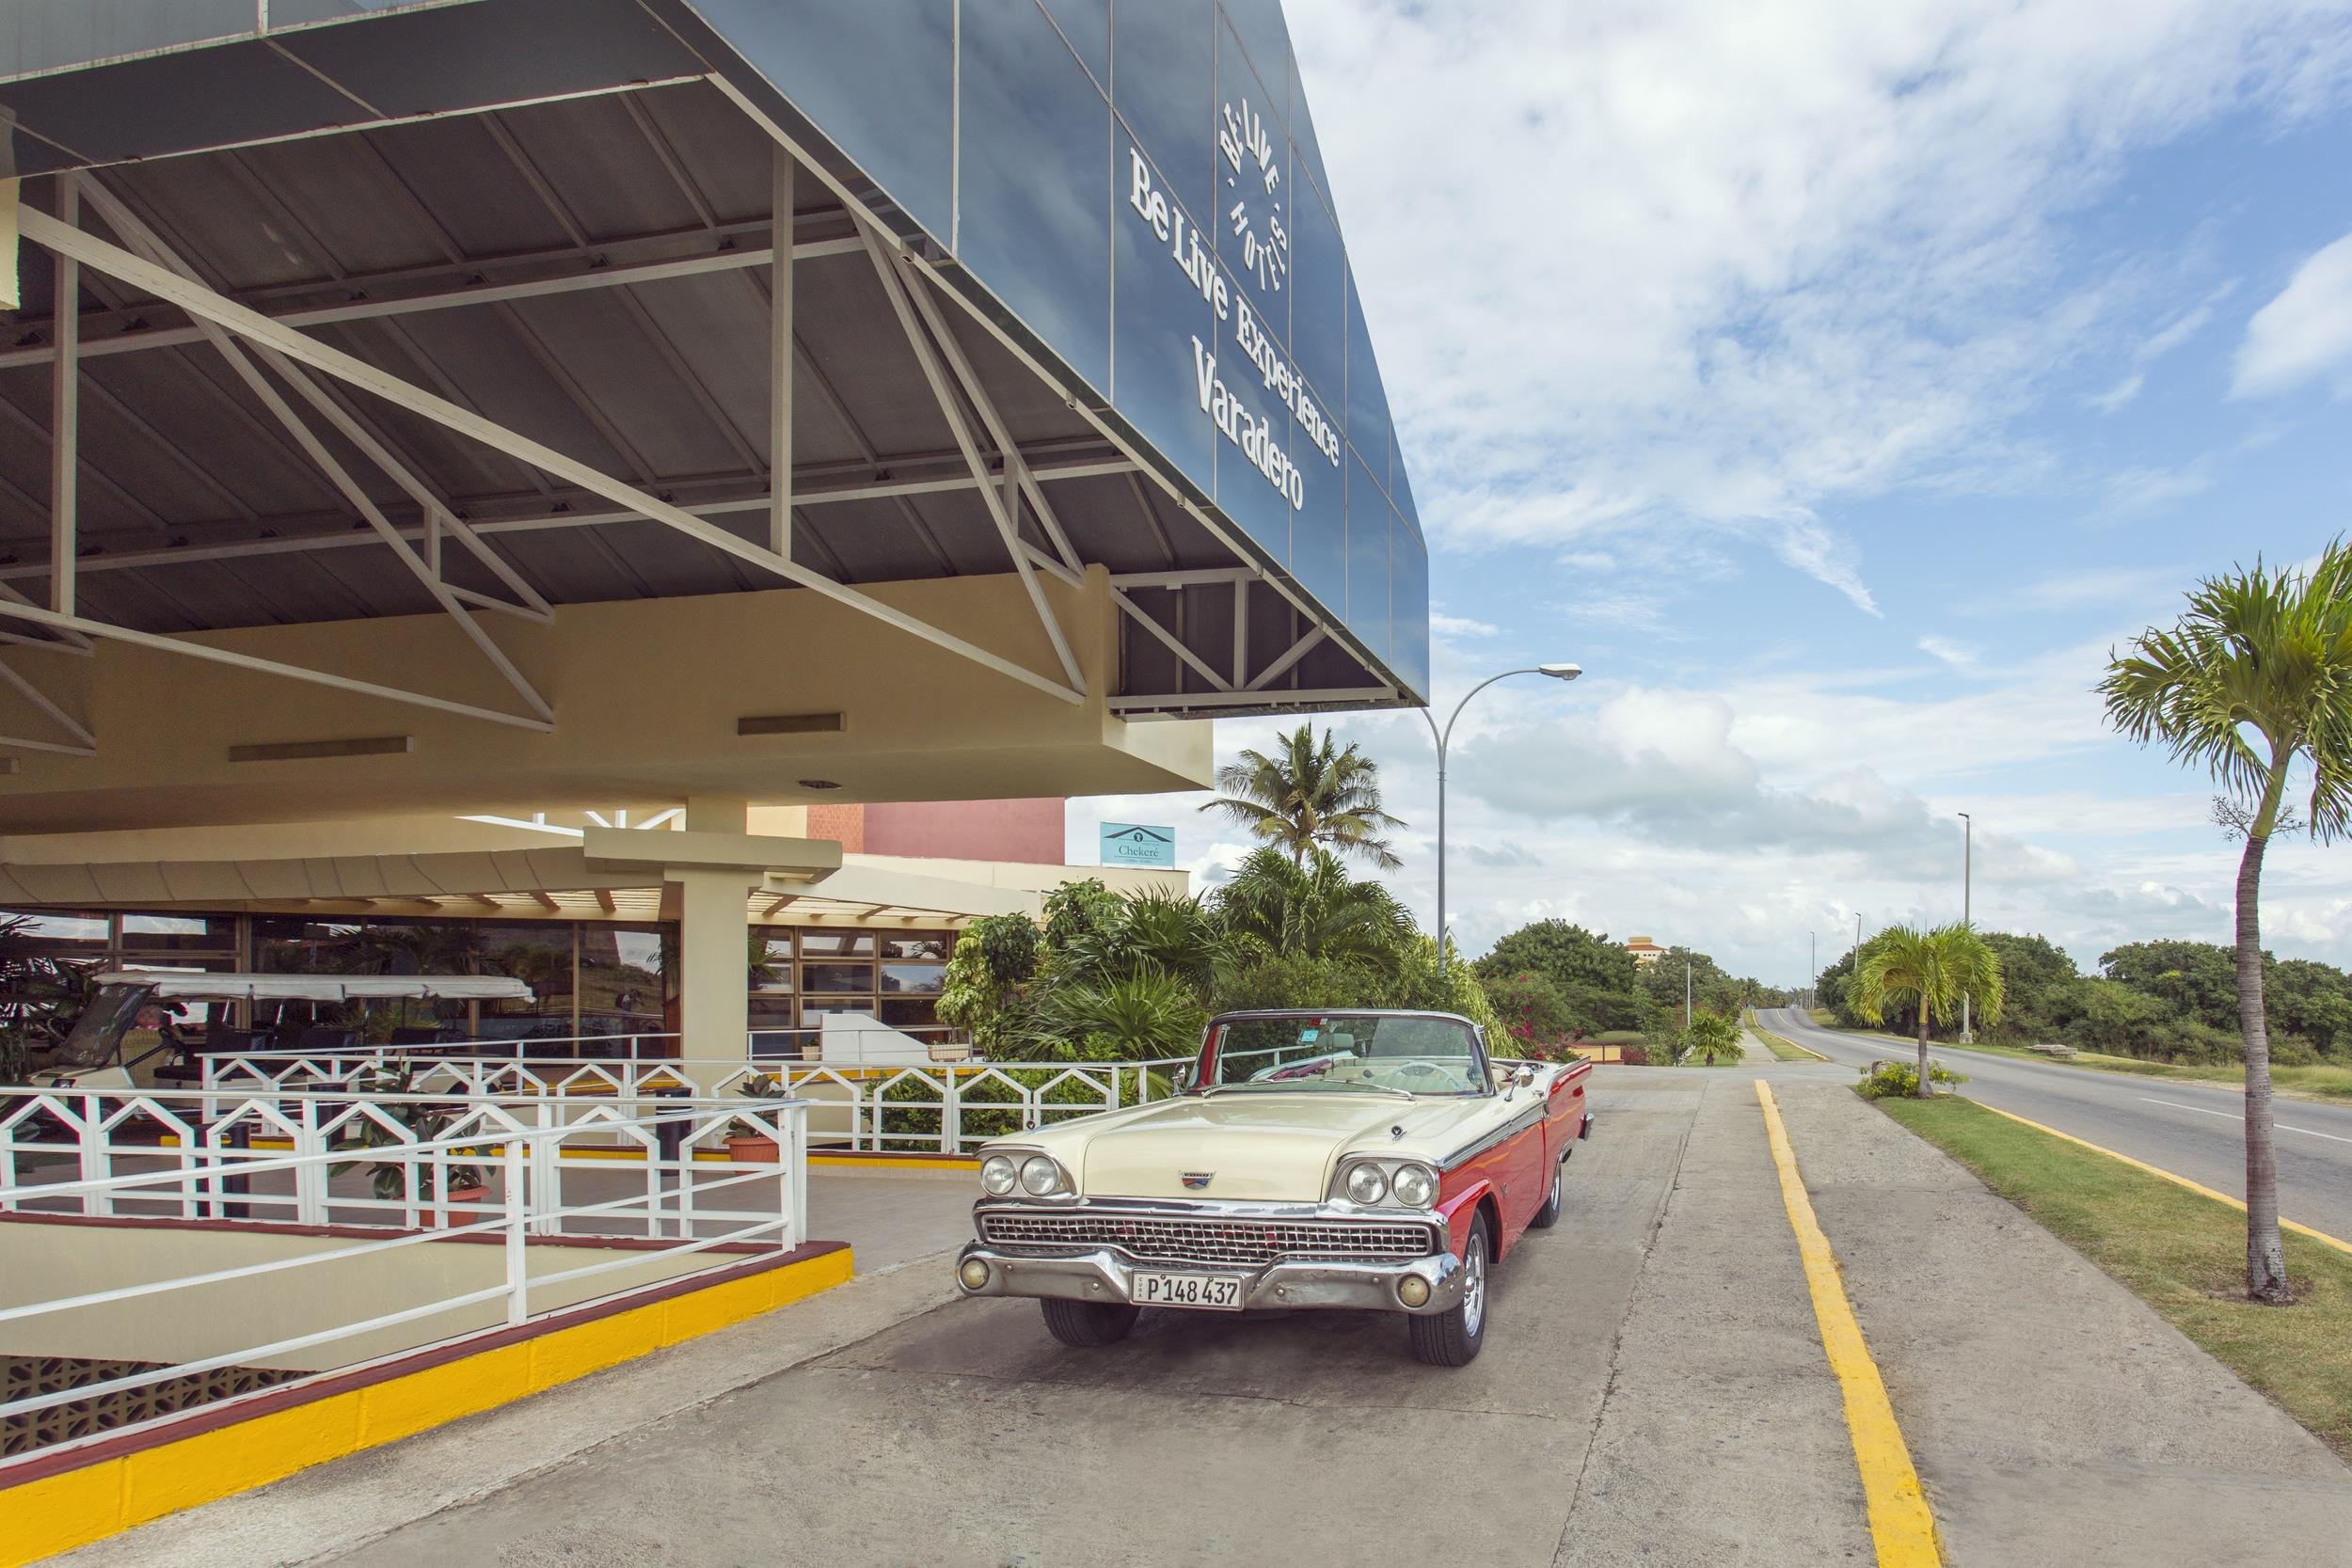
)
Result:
{"points": [[1653, 1391]]}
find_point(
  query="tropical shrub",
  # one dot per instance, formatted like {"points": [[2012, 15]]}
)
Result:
{"points": [[1901, 1080], [1712, 1038]]}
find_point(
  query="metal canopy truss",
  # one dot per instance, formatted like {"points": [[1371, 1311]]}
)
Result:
{"points": [[203, 302], [499, 361]]}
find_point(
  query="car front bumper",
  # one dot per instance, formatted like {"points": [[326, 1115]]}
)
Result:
{"points": [[1106, 1274]]}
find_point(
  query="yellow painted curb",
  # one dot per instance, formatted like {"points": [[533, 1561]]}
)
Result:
{"points": [[2199, 1188], [59, 1513], [900, 1161], [1901, 1527]]}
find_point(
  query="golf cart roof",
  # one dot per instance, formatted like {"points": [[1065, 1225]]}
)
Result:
{"points": [[181, 984]]}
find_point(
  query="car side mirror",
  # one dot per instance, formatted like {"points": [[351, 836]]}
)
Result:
{"points": [[1183, 1078], [1525, 1076]]}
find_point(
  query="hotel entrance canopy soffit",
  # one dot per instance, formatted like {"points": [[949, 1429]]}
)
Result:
{"points": [[339, 311]]}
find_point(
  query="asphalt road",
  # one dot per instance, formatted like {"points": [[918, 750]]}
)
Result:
{"points": [[2192, 1129]]}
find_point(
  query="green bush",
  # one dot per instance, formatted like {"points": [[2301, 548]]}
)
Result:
{"points": [[1901, 1080], [1712, 1038]]}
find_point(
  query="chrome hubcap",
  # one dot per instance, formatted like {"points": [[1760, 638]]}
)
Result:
{"points": [[1474, 1285]]}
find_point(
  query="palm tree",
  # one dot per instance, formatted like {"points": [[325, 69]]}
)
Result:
{"points": [[1276, 908], [1309, 794], [1932, 971], [2257, 674]]}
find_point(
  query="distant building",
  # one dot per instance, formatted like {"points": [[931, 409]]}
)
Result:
{"points": [[1645, 951]]}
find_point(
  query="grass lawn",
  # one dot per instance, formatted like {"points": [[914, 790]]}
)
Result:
{"points": [[1783, 1049], [2182, 1254]]}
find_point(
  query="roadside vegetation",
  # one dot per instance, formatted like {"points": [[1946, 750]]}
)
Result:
{"points": [[1556, 985], [2181, 1253], [1115, 977], [1931, 973], [1785, 1050]]}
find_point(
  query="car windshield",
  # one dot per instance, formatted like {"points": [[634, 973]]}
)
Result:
{"points": [[1357, 1053]]}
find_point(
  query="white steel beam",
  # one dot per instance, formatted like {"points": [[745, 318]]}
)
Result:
{"points": [[780, 310], [84, 744], [1254, 699], [198, 300], [116, 560], [1008, 524], [1241, 630], [1297, 651], [86, 627], [1185, 577], [145, 240], [1172, 641], [65, 413], [487, 294]]}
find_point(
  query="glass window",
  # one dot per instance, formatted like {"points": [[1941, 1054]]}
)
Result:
{"points": [[834, 944], [169, 933], [1252, 204], [1367, 403], [1367, 560], [1086, 23], [877, 75], [1162, 73], [1164, 328], [44, 929], [1318, 300], [919, 945], [910, 1012], [1309, 152], [834, 977], [927, 980], [1259, 23], [1319, 531], [771, 962], [1245, 492], [813, 1012], [1408, 609], [627, 979], [1033, 189]]}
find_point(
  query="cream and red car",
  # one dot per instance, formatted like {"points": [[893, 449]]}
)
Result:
{"points": [[1375, 1161]]}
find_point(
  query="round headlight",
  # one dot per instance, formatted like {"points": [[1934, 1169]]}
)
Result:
{"points": [[1414, 1185], [999, 1175], [1365, 1184], [1039, 1177]]}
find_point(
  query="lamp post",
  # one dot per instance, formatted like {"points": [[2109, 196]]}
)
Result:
{"points": [[1444, 738], [1967, 871], [1813, 953]]}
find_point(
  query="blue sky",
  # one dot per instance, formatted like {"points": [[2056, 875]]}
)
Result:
{"points": [[1836, 383]]}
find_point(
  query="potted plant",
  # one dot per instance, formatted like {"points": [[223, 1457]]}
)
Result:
{"points": [[425, 1123], [747, 1145]]}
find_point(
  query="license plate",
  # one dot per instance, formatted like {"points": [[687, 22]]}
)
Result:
{"points": [[1216, 1293]]}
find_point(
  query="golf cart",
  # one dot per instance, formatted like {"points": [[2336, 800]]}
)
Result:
{"points": [[146, 1028]]}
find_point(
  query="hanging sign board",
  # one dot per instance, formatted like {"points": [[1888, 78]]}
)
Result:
{"points": [[1133, 843]]}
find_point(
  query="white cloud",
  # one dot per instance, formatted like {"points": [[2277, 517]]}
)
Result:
{"points": [[1760, 260], [1958, 654], [2118, 395], [2137, 490], [2305, 334], [1442, 625]]}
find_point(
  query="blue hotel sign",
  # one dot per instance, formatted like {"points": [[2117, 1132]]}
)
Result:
{"points": [[1133, 843]]}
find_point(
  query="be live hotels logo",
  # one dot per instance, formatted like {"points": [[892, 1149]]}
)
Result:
{"points": [[1131, 844]]}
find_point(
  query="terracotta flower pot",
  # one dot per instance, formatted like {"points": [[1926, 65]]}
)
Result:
{"points": [[433, 1217], [752, 1151]]}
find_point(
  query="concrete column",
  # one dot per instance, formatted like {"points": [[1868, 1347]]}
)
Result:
{"points": [[714, 1011]]}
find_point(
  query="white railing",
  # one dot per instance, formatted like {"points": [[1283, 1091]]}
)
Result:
{"points": [[931, 1107], [524, 1151], [201, 1150]]}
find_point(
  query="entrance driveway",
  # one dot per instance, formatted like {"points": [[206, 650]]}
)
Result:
{"points": [[1653, 1391]]}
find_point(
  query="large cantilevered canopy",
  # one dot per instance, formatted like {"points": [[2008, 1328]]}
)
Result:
{"points": [[479, 312]]}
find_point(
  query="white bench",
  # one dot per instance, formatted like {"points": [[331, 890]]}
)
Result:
{"points": [[2055, 1050]]}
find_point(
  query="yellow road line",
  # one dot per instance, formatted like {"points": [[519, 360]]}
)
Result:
{"points": [[2156, 1170], [1901, 1527]]}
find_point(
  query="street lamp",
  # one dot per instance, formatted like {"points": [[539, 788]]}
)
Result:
{"points": [[1967, 872], [1443, 737]]}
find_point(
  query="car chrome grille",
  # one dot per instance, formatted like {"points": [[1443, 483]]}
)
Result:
{"points": [[1187, 1239]]}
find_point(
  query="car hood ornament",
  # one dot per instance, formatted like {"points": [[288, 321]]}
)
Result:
{"points": [[1196, 1180]]}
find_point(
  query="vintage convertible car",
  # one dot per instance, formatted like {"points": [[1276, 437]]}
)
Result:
{"points": [[1376, 1161]]}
